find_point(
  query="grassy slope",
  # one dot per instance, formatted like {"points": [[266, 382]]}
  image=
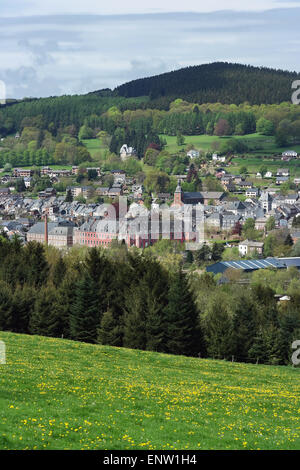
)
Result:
{"points": [[266, 144], [258, 144], [94, 146], [252, 160], [253, 165], [58, 394]]}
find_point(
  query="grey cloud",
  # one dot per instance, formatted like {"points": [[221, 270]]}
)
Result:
{"points": [[77, 53]]}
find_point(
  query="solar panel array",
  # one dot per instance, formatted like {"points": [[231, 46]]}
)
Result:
{"points": [[249, 265], [255, 264]]}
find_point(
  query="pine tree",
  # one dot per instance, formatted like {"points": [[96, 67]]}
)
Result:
{"points": [[258, 351], [69, 197], [45, 316], [5, 307], [155, 327], [99, 269], [135, 319], [110, 331], [189, 257], [85, 314], [36, 265], [244, 327], [266, 346], [217, 251], [59, 272], [64, 301], [154, 287], [183, 335], [218, 330], [22, 308]]}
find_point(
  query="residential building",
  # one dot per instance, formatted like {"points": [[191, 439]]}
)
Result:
{"points": [[214, 220], [75, 191], [87, 191], [216, 158], [102, 191], [61, 236], [290, 153], [248, 247], [291, 198], [252, 192], [260, 223], [127, 152], [4, 192], [266, 201], [281, 179], [283, 172], [21, 173], [48, 192], [193, 154]]}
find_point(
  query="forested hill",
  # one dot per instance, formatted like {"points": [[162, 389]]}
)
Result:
{"points": [[217, 82], [211, 83]]}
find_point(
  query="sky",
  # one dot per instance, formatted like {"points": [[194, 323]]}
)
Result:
{"points": [[65, 47]]}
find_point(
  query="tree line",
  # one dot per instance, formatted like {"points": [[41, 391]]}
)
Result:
{"points": [[129, 298]]}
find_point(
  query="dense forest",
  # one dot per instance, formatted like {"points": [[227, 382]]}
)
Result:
{"points": [[212, 83], [141, 301], [217, 82], [54, 135], [51, 129]]}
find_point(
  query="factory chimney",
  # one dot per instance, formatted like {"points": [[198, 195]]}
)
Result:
{"points": [[46, 229]]}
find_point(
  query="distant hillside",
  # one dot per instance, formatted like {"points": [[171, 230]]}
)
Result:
{"points": [[59, 394], [211, 83], [217, 82]]}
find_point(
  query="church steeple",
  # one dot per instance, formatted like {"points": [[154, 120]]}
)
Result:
{"points": [[178, 195]]}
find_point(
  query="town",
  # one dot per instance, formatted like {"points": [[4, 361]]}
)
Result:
{"points": [[65, 220]]}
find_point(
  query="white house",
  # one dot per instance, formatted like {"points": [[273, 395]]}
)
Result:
{"points": [[247, 247], [269, 174], [27, 182], [283, 172], [290, 153], [193, 154], [252, 192], [216, 158], [126, 152], [291, 198]]}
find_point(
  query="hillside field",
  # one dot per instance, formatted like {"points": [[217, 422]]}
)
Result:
{"points": [[253, 165], [58, 394], [95, 147], [259, 145]]}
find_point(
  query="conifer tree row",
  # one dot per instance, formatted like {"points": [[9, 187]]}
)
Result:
{"points": [[130, 299]]}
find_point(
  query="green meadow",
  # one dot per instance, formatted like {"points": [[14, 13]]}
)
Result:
{"points": [[58, 394], [95, 147], [258, 145], [253, 165]]}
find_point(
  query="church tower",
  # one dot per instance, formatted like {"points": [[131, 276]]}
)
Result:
{"points": [[178, 195]]}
